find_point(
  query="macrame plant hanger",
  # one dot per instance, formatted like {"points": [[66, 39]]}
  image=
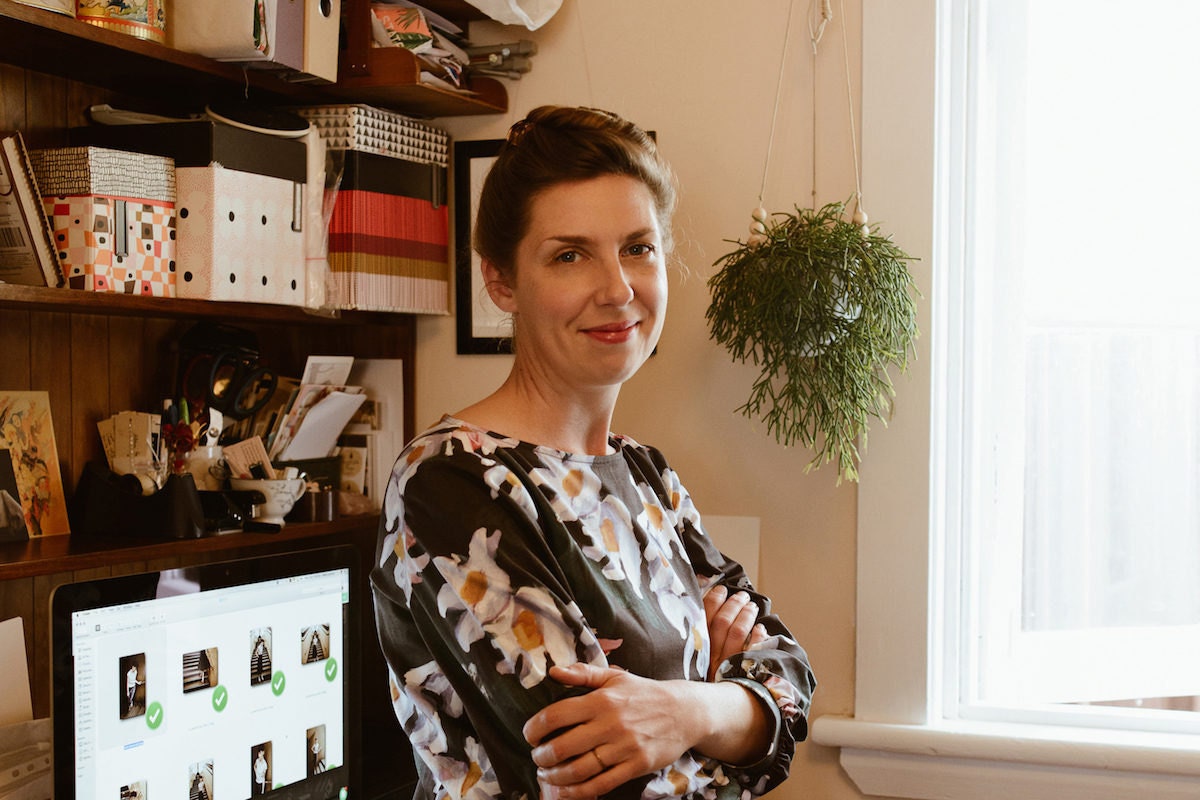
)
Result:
{"points": [[820, 15], [819, 302]]}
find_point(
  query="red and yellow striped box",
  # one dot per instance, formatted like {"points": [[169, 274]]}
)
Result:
{"points": [[389, 237]]}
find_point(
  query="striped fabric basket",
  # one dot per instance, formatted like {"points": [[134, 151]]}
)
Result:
{"points": [[389, 237]]}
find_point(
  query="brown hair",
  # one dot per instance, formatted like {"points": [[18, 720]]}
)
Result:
{"points": [[557, 144]]}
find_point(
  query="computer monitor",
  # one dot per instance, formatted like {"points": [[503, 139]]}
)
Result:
{"points": [[221, 681]]}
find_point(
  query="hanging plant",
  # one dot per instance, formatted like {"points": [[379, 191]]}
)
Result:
{"points": [[824, 306]]}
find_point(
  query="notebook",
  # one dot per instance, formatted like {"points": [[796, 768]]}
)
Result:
{"points": [[218, 682]]}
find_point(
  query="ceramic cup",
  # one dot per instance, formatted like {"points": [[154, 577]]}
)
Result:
{"points": [[281, 496], [207, 467]]}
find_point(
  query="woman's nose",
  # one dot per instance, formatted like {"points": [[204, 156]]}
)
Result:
{"points": [[615, 288]]}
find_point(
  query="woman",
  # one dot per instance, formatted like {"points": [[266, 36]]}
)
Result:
{"points": [[260, 773], [555, 620]]}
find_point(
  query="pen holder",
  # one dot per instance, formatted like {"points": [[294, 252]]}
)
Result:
{"points": [[109, 504]]}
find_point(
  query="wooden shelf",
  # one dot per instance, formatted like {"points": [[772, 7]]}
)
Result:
{"points": [[55, 44], [390, 77], [47, 555], [52, 554], [58, 45], [112, 304]]}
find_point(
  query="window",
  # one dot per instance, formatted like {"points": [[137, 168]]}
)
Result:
{"points": [[1044, 454], [1069, 362]]}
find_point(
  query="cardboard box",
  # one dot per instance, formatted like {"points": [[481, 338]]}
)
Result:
{"points": [[112, 214], [389, 237], [229, 30]]}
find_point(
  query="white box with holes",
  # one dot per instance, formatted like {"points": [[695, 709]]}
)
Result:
{"points": [[240, 236]]}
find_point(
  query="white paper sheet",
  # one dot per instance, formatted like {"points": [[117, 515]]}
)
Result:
{"points": [[317, 435]]}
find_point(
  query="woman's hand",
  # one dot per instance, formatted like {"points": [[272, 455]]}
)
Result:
{"points": [[732, 625], [626, 727], [629, 726]]}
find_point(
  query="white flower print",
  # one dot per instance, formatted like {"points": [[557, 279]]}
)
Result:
{"points": [[408, 566], [503, 481], [418, 716], [467, 629], [684, 777], [614, 543], [526, 626], [474, 440], [576, 488], [480, 781]]}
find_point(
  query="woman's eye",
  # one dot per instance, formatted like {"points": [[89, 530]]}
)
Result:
{"points": [[568, 257], [640, 249]]}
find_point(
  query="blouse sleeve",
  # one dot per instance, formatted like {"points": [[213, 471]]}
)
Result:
{"points": [[776, 670], [471, 611]]}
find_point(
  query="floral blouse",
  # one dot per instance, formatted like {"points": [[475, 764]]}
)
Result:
{"points": [[498, 558]]}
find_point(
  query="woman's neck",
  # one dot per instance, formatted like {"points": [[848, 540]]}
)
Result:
{"points": [[575, 422]]}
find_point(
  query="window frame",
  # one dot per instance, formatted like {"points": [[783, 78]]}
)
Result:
{"points": [[900, 743]]}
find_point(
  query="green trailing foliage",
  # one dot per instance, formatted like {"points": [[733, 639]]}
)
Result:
{"points": [[823, 306]]}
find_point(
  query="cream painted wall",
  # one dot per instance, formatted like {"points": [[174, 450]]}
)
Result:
{"points": [[703, 75]]}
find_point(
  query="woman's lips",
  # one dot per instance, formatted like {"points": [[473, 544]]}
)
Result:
{"points": [[614, 333]]}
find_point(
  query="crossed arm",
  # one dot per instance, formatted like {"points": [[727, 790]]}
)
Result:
{"points": [[629, 726]]}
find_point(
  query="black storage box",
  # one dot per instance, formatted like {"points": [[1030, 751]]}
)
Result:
{"points": [[204, 142]]}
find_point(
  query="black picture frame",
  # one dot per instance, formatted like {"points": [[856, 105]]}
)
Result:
{"points": [[480, 326]]}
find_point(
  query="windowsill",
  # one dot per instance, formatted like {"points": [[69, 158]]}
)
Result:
{"points": [[979, 761]]}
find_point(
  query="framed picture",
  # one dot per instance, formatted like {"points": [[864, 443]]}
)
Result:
{"points": [[27, 440], [481, 327]]}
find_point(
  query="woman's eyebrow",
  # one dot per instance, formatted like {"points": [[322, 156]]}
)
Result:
{"points": [[567, 238]]}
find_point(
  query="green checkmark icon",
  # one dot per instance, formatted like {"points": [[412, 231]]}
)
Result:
{"points": [[220, 698], [154, 715], [278, 683], [331, 669]]}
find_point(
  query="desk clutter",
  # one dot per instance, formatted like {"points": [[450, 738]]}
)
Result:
{"points": [[330, 207], [239, 447]]}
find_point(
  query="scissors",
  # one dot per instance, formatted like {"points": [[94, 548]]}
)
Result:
{"points": [[222, 372]]}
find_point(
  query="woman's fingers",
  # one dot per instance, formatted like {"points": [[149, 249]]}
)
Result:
{"points": [[731, 624]]}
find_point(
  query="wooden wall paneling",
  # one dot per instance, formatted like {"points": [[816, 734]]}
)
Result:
{"points": [[160, 336], [133, 366], [12, 97], [50, 360], [14, 350], [80, 97], [45, 110], [39, 677], [89, 375]]}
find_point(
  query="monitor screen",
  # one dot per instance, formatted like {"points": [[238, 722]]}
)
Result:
{"points": [[217, 682]]}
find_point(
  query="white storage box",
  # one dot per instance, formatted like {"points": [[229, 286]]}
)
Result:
{"points": [[240, 236]]}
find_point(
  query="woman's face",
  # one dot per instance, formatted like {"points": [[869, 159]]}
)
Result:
{"points": [[589, 286]]}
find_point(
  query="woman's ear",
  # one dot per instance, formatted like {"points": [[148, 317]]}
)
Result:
{"points": [[498, 288]]}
